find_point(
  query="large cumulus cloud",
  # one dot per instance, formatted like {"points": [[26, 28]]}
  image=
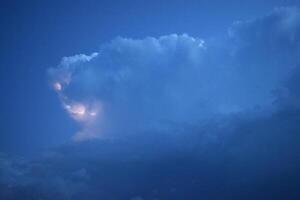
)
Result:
{"points": [[137, 83], [134, 85]]}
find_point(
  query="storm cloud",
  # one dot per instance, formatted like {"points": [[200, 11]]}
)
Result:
{"points": [[180, 118], [244, 158], [135, 85]]}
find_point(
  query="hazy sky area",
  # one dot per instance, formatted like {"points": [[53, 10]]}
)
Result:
{"points": [[150, 100]]}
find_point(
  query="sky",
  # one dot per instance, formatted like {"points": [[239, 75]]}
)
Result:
{"points": [[149, 100], [37, 34]]}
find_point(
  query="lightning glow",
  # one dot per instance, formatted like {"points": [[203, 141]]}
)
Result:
{"points": [[57, 86]]}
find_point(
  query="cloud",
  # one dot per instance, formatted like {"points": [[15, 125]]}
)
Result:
{"points": [[138, 85], [242, 158]]}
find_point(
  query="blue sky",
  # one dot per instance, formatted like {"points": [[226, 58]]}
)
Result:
{"points": [[149, 100]]}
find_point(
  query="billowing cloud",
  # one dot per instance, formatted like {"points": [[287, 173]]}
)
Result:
{"points": [[138, 85]]}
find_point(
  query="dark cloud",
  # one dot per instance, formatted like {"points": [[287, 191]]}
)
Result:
{"points": [[248, 158]]}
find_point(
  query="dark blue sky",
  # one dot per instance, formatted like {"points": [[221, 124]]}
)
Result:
{"points": [[36, 34]]}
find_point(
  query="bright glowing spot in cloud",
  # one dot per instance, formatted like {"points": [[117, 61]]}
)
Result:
{"points": [[84, 112], [57, 86], [78, 109]]}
